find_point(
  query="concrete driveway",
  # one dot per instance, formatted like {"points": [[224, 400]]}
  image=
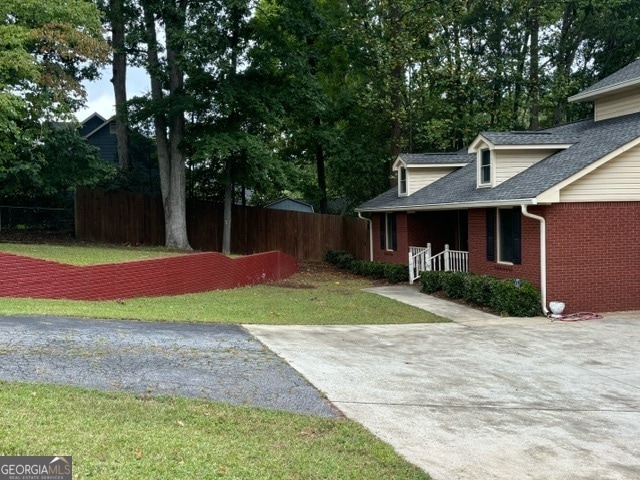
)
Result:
{"points": [[484, 397]]}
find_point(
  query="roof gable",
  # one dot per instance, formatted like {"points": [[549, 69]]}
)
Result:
{"points": [[624, 79], [595, 141]]}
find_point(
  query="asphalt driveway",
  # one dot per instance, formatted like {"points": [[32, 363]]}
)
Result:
{"points": [[213, 362], [485, 397]]}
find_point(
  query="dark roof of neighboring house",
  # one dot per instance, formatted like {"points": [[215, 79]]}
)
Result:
{"points": [[627, 76], [436, 158], [591, 141]]}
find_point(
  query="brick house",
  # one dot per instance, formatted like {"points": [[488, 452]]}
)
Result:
{"points": [[559, 207]]}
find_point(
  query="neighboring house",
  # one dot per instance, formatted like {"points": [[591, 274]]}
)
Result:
{"points": [[101, 133], [559, 207], [144, 174], [288, 203]]}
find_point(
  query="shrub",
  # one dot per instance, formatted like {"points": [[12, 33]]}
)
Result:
{"points": [[453, 284], [509, 299], [396, 273], [340, 258], [503, 296], [431, 281], [478, 289]]}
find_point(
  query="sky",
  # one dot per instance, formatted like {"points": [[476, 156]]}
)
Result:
{"points": [[100, 97]]}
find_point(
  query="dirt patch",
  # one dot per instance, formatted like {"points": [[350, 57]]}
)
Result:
{"points": [[310, 274]]}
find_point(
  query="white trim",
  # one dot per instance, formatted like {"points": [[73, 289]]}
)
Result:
{"points": [[534, 146], [454, 206], [404, 193], [473, 147], [398, 163], [492, 169], [593, 94]]}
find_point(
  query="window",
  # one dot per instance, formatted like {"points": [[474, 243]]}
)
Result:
{"points": [[507, 229], [402, 181], [388, 236], [485, 167], [112, 128], [509, 243]]}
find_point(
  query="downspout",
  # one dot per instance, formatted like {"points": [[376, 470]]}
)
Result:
{"points": [[370, 235], [543, 255]]}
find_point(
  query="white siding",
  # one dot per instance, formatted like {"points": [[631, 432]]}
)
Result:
{"points": [[511, 162], [616, 180], [418, 178], [617, 105]]}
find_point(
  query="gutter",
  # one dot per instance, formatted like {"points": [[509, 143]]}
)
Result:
{"points": [[451, 206], [543, 255], [370, 235]]}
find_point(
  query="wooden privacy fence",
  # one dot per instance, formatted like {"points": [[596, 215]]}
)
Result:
{"points": [[133, 218]]}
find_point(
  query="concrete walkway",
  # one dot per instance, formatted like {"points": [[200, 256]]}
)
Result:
{"points": [[484, 397]]}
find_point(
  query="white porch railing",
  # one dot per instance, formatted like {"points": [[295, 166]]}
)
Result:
{"points": [[420, 260]]}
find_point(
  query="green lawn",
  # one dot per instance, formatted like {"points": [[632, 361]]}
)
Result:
{"points": [[317, 295], [126, 436], [123, 436]]}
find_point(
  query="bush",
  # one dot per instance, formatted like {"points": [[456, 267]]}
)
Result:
{"points": [[431, 281], [453, 284], [503, 296], [394, 273], [511, 300], [478, 289]]}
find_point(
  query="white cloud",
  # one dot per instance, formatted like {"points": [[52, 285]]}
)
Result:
{"points": [[100, 97]]}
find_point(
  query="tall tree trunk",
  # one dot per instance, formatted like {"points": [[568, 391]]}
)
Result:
{"points": [[170, 158], [534, 69], [119, 80], [322, 178]]}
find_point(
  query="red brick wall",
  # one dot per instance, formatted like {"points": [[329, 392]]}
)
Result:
{"points": [[593, 254], [198, 272], [529, 269], [401, 255]]}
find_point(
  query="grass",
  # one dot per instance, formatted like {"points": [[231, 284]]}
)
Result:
{"points": [[126, 436], [86, 254], [119, 435], [317, 295]]}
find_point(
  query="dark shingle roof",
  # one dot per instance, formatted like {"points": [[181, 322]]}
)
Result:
{"points": [[627, 75], [593, 140], [529, 138], [436, 158]]}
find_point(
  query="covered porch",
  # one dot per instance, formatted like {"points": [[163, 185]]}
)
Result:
{"points": [[438, 240]]}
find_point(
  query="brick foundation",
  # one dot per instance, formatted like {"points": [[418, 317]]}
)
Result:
{"points": [[192, 273]]}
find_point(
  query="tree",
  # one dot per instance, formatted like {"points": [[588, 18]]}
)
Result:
{"points": [[48, 48], [167, 109]]}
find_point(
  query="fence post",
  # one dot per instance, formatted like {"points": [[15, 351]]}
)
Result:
{"points": [[447, 259]]}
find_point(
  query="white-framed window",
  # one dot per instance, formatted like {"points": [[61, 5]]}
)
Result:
{"points": [[112, 128], [402, 181], [484, 168], [388, 234]]}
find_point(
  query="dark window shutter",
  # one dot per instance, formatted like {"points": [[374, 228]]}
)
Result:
{"points": [[394, 236], [383, 230], [491, 234], [517, 238]]}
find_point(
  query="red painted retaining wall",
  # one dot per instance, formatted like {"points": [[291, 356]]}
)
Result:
{"points": [[198, 272]]}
